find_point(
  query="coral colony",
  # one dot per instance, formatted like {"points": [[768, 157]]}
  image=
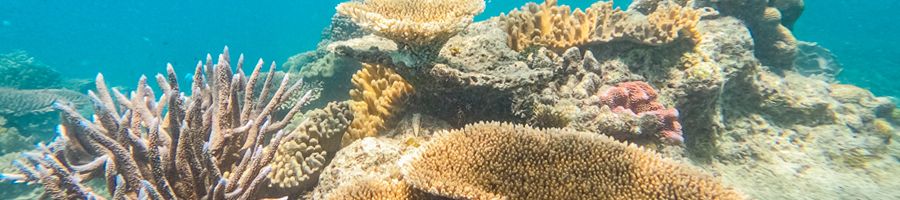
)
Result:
{"points": [[541, 103]]}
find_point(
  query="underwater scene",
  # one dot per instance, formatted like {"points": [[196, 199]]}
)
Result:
{"points": [[449, 99]]}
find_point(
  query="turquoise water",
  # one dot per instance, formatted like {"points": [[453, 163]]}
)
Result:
{"points": [[126, 39]]}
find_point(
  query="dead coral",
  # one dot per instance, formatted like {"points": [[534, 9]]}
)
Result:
{"points": [[378, 93], [209, 145], [495, 160]]}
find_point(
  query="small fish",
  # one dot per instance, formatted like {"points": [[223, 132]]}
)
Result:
{"points": [[189, 76], [7, 23]]}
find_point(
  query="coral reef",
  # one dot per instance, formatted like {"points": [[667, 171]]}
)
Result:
{"points": [[495, 160], [774, 44], [18, 103], [378, 94], [555, 27], [21, 71], [11, 140], [815, 60], [310, 147], [167, 147], [412, 22]]}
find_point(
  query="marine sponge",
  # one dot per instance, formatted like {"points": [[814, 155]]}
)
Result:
{"points": [[379, 90], [497, 160], [413, 22], [310, 147]]}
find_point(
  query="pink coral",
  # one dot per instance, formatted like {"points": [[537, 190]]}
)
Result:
{"points": [[638, 99]]}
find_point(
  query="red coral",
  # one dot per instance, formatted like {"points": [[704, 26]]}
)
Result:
{"points": [[638, 99]]}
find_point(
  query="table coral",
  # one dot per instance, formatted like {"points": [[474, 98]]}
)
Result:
{"points": [[21, 71], [498, 161], [378, 94], [413, 22]]}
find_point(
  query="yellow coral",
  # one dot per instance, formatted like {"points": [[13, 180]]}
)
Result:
{"points": [[310, 146], [559, 29], [494, 160], [413, 22], [378, 90]]}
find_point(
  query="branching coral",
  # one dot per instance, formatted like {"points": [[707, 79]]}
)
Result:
{"points": [[494, 160], [310, 147], [558, 28], [209, 145], [379, 90], [413, 22]]}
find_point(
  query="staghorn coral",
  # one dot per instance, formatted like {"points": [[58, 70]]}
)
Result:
{"points": [[497, 160], [413, 22], [379, 90], [209, 145], [559, 28], [310, 147]]}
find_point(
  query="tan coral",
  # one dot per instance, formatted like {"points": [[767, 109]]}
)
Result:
{"points": [[310, 147], [495, 160], [558, 28], [413, 22], [378, 90], [375, 189], [548, 24]]}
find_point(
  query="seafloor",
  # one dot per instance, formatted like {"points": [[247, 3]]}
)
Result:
{"points": [[671, 99]]}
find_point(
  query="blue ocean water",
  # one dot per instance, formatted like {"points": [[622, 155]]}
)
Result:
{"points": [[124, 39]]}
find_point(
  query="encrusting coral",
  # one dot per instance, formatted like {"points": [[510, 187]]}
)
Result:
{"points": [[499, 161], [310, 147], [413, 22], [638, 99], [209, 145], [559, 28], [377, 94]]}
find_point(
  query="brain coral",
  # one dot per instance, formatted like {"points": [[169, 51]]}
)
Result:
{"points": [[495, 160], [378, 91], [310, 146], [413, 22]]}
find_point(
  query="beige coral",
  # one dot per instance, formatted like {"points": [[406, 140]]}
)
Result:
{"points": [[376, 189], [378, 91], [559, 28], [413, 22], [496, 160], [310, 147]]}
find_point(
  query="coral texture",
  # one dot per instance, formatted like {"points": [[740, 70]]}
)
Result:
{"points": [[495, 160], [413, 22], [377, 95], [209, 145], [15, 102], [21, 71], [558, 28], [310, 147], [815, 60], [375, 189], [639, 98]]}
